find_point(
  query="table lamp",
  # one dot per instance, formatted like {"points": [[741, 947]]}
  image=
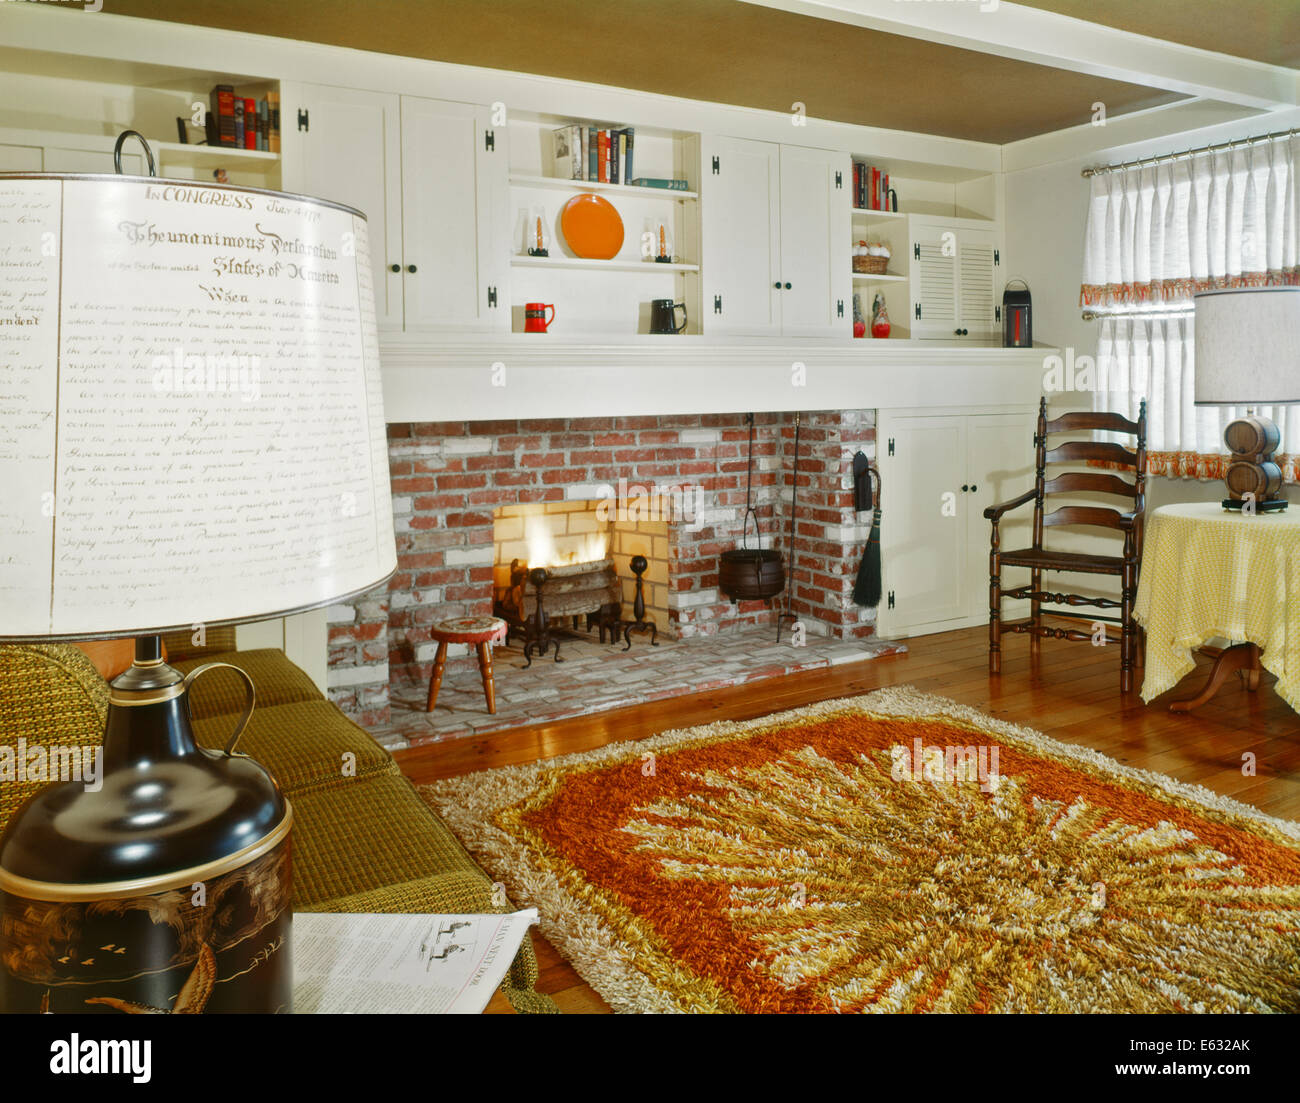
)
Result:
{"points": [[191, 433], [1247, 353]]}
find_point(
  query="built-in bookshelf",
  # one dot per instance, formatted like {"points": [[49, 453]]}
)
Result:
{"points": [[604, 297], [965, 199]]}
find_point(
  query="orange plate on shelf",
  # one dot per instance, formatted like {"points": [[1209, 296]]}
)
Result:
{"points": [[592, 227]]}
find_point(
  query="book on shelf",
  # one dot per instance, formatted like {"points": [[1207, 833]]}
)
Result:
{"points": [[239, 122], [263, 124], [221, 115], [568, 153], [659, 182], [273, 122], [250, 123]]}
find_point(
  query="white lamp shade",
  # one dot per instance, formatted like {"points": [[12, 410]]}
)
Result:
{"points": [[191, 419], [1248, 346]]}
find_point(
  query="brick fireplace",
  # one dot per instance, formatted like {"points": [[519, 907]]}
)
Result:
{"points": [[451, 481]]}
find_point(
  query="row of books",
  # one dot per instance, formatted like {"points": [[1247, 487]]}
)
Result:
{"points": [[870, 188], [242, 121], [588, 153], [602, 156]]}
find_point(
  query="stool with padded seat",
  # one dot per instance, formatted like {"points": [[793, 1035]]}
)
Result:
{"points": [[478, 632]]}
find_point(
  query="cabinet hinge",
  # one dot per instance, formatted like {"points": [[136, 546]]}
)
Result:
{"points": [[997, 314], [891, 599], [916, 251], [918, 310], [839, 308], [490, 140], [717, 304], [891, 446], [492, 296], [716, 166], [304, 119], [997, 257], [839, 179]]}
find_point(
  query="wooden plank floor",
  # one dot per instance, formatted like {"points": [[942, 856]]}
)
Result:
{"points": [[1071, 693]]}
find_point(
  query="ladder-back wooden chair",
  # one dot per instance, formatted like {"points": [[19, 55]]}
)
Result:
{"points": [[1039, 559]]}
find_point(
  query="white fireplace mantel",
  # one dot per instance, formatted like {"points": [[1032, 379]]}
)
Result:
{"points": [[527, 376]]}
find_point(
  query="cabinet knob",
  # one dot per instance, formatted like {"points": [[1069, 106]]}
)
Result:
{"points": [[411, 268], [787, 287], [964, 488], [394, 267], [973, 487], [777, 285]]}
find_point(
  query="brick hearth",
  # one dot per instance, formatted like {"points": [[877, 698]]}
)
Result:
{"points": [[449, 477]]}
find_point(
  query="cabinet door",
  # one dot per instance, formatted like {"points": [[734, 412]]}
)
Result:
{"points": [[923, 526], [352, 153], [453, 204], [934, 280], [816, 270], [1000, 465], [976, 283], [740, 224]]}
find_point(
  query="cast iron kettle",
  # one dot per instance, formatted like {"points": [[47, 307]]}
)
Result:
{"points": [[745, 573]]}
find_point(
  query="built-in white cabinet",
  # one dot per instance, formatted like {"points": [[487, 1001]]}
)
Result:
{"points": [[776, 222], [954, 278], [431, 178], [939, 471]]}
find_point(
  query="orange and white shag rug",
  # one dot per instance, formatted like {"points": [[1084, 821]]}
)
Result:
{"points": [[893, 852]]}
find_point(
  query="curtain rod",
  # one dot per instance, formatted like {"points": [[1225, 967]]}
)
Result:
{"points": [[1100, 169], [1093, 315]]}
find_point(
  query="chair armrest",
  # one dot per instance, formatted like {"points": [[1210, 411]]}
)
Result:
{"points": [[1131, 519], [994, 513]]}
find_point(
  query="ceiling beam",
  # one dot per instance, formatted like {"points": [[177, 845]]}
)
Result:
{"points": [[1167, 126], [1045, 38]]}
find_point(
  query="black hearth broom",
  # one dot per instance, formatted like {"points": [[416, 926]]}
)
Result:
{"points": [[867, 589]]}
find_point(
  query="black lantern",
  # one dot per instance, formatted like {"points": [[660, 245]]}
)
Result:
{"points": [[1017, 323]]}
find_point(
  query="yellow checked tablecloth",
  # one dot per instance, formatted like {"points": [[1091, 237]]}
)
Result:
{"points": [[1208, 572]]}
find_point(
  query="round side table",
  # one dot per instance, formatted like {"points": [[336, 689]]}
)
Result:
{"points": [[1208, 572]]}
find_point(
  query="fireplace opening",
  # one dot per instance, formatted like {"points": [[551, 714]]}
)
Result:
{"points": [[580, 561]]}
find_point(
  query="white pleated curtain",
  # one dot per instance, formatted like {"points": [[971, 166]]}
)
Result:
{"points": [[1155, 236]]}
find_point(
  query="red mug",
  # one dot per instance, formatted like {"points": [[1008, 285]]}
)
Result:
{"points": [[535, 320]]}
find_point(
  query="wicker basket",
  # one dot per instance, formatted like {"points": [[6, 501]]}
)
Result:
{"points": [[870, 266]]}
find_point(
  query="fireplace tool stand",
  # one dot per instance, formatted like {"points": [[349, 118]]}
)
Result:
{"points": [[640, 625], [537, 628], [786, 614]]}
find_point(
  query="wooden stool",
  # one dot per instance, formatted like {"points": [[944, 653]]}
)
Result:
{"points": [[480, 632]]}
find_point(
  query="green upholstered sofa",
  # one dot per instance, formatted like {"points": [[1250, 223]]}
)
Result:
{"points": [[363, 840]]}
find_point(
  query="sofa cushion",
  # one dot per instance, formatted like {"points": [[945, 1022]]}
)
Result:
{"points": [[368, 833], [276, 679], [302, 744], [50, 693], [180, 646]]}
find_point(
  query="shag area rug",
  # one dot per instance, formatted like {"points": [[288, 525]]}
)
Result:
{"points": [[893, 852]]}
